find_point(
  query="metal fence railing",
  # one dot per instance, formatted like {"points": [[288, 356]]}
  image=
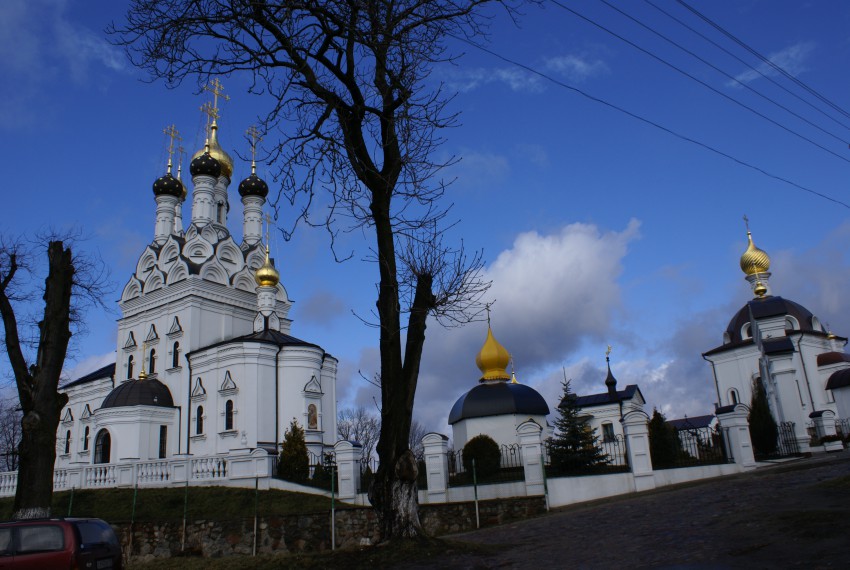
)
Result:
{"points": [[509, 468], [608, 456], [689, 447]]}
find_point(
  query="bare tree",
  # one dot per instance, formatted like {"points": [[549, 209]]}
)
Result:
{"points": [[417, 432], [10, 434], [357, 424], [37, 377], [358, 121]]}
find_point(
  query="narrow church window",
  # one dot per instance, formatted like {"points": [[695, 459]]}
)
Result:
{"points": [[228, 415], [199, 420], [175, 355], [68, 441], [733, 395], [312, 417], [220, 213], [608, 432], [152, 362], [102, 443], [86, 440], [163, 439], [130, 367]]}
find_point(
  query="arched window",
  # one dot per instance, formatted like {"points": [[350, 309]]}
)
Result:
{"points": [[152, 361], [102, 443], [221, 212], [175, 355], [228, 415], [86, 440], [733, 396], [199, 420], [68, 441], [747, 331], [791, 324], [130, 367]]}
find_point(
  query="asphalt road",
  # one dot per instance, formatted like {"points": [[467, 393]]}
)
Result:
{"points": [[791, 515]]}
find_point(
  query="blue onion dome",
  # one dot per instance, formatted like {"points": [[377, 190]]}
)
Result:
{"points": [[253, 186], [205, 164], [168, 186]]}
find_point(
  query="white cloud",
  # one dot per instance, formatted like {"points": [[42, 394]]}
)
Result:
{"points": [[40, 47], [575, 67], [469, 79], [87, 365], [791, 59], [552, 293], [322, 308]]}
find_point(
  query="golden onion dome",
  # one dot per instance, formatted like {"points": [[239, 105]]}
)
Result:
{"points": [[267, 275], [218, 153], [754, 260], [493, 359]]}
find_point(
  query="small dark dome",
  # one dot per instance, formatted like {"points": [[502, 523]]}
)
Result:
{"points": [[167, 186], [767, 307], [498, 398], [148, 392], [205, 165], [253, 186]]}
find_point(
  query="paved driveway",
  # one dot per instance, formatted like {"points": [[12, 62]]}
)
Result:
{"points": [[794, 515]]}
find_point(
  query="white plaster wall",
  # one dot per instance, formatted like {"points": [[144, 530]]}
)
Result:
{"points": [[569, 490], [501, 428]]}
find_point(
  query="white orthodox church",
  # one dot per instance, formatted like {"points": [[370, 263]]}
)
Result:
{"points": [[782, 345], [205, 362]]}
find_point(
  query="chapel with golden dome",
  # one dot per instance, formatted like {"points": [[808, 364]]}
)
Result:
{"points": [[781, 345]]}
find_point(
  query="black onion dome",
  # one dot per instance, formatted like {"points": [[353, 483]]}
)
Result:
{"points": [[148, 392], [167, 186], [496, 399], [253, 186], [769, 307], [205, 164]]}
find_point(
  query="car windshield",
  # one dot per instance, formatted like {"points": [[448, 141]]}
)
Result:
{"points": [[94, 532]]}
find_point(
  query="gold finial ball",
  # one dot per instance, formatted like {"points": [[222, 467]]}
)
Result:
{"points": [[267, 275], [760, 290], [754, 260]]}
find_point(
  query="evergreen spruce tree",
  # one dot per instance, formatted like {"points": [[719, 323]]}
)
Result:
{"points": [[574, 447], [294, 464], [763, 429], [664, 444]]}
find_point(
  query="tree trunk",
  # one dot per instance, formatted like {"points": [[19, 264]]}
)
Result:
{"points": [[38, 384]]}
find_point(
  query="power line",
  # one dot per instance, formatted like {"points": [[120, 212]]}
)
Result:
{"points": [[744, 63], [720, 71], [701, 82], [647, 121], [719, 28]]}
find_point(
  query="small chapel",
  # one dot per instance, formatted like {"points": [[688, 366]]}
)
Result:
{"points": [[782, 346], [205, 361]]}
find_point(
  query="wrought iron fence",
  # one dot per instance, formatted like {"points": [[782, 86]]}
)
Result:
{"points": [[509, 468], [842, 428], [368, 467], [688, 446], [609, 456], [786, 442]]}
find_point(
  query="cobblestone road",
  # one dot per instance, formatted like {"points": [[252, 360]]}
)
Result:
{"points": [[794, 515]]}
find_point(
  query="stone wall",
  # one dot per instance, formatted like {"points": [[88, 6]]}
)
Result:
{"points": [[310, 532]]}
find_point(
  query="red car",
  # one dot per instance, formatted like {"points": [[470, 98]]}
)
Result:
{"points": [[60, 544]]}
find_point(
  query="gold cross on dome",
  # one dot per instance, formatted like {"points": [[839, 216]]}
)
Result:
{"points": [[608, 352], [254, 134], [172, 133], [747, 222], [487, 308], [217, 89]]}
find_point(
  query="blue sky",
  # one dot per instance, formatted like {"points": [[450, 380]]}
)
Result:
{"points": [[596, 228]]}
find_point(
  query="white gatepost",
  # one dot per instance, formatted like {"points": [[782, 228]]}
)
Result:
{"points": [[636, 428], [436, 466], [348, 468], [824, 421], [530, 437], [735, 425]]}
